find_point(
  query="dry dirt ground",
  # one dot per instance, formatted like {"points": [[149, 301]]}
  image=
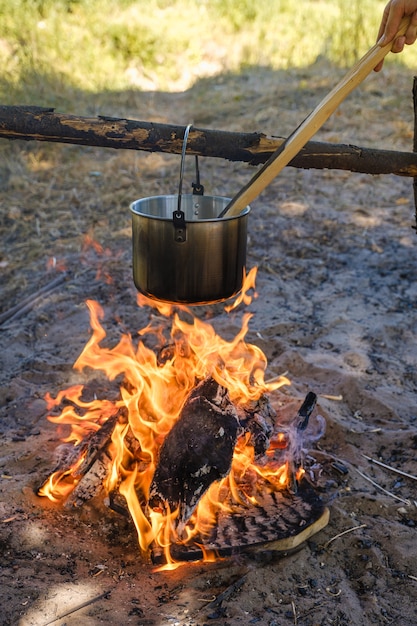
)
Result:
{"points": [[336, 256]]}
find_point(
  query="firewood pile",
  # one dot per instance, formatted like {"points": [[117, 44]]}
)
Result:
{"points": [[198, 451]]}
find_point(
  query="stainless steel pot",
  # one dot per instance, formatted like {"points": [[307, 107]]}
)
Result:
{"points": [[183, 251], [195, 260]]}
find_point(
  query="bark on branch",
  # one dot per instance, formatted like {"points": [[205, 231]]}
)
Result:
{"points": [[43, 124]]}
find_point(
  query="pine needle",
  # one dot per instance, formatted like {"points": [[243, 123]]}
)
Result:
{"points": [[388, 467], [403, 500], [345, 532]]}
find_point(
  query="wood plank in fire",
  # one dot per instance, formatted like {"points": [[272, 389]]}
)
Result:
{"points": [[280, 522]]}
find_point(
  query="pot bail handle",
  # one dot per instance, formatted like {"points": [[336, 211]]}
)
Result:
{"points": [[198, 188], [180, 233]]}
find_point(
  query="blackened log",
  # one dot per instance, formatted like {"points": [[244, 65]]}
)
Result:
{"points": [[305, 410], [95, 444], [92, 470], [68, 455], [197, 451], [258, 419], [295, 453], [43, 124], [91, 483], [281, 522]]}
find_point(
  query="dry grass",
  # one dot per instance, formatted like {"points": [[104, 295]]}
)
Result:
{"points": [[65, 53]]}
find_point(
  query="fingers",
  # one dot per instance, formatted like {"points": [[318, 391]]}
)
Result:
{"points": [[393, 13], [378, 67], [391, 19], [387, 29], [383, 23], [411, 34], [398, 44]]}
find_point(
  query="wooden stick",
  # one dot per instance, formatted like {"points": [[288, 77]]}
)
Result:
{"points": [[345, 532], [78, 608], [389, 493], [309, 126], [43, 124], [29, 302], [388, 467], [226, 593]]}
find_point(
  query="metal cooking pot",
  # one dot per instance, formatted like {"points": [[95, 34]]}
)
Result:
{"points": [[198, 261], [183, 252]]}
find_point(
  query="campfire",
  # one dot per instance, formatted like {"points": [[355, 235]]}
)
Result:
{"points": [[192, 449]]}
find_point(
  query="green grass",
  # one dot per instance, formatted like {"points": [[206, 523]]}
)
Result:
{"points": [[53, 50]]}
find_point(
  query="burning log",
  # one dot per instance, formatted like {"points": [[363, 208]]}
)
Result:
{"points": [[78, 459], [91, 447], [197, 451], [301, 423], [281, 521], [199, 448], [85, 464], [257, 419], [91, 484]]}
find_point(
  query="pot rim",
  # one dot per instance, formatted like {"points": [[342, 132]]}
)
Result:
{"points": [[135, 211]]}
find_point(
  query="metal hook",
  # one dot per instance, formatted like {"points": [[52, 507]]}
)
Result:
{"points": [[184, 148], [198, 189], [178, 218]]}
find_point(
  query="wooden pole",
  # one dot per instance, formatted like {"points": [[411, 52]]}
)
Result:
{"points": [[308, 128], [43, 124]]}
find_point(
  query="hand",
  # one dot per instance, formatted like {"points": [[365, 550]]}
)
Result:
{"points": [[393, 13]]}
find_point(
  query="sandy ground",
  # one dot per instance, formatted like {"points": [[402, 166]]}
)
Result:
{"points": [[336, 257]]}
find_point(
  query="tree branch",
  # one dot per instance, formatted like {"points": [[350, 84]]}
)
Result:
{"points": [[43, 124]]}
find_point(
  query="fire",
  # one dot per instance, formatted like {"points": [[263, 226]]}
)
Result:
{"points": [[156, 383]]}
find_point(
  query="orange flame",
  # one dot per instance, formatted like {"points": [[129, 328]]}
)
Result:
{"points": [[154, 390], [92, 248]]}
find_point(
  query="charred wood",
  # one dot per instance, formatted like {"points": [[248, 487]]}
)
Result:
{"points": [[302, 418], [305, 410], [199, 448], [280, 522], [197, 451], [95, 445], [92, 446], [90, 460], [257, 419], [43, 124], [91, 483]]}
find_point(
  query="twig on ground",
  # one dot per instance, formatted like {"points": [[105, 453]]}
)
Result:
{"points": [[29, 302], [345, 532], [78, 608], [329, 397], [388, 467], [227, 592], [294, 612], [277, 377], [389, 493]]}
